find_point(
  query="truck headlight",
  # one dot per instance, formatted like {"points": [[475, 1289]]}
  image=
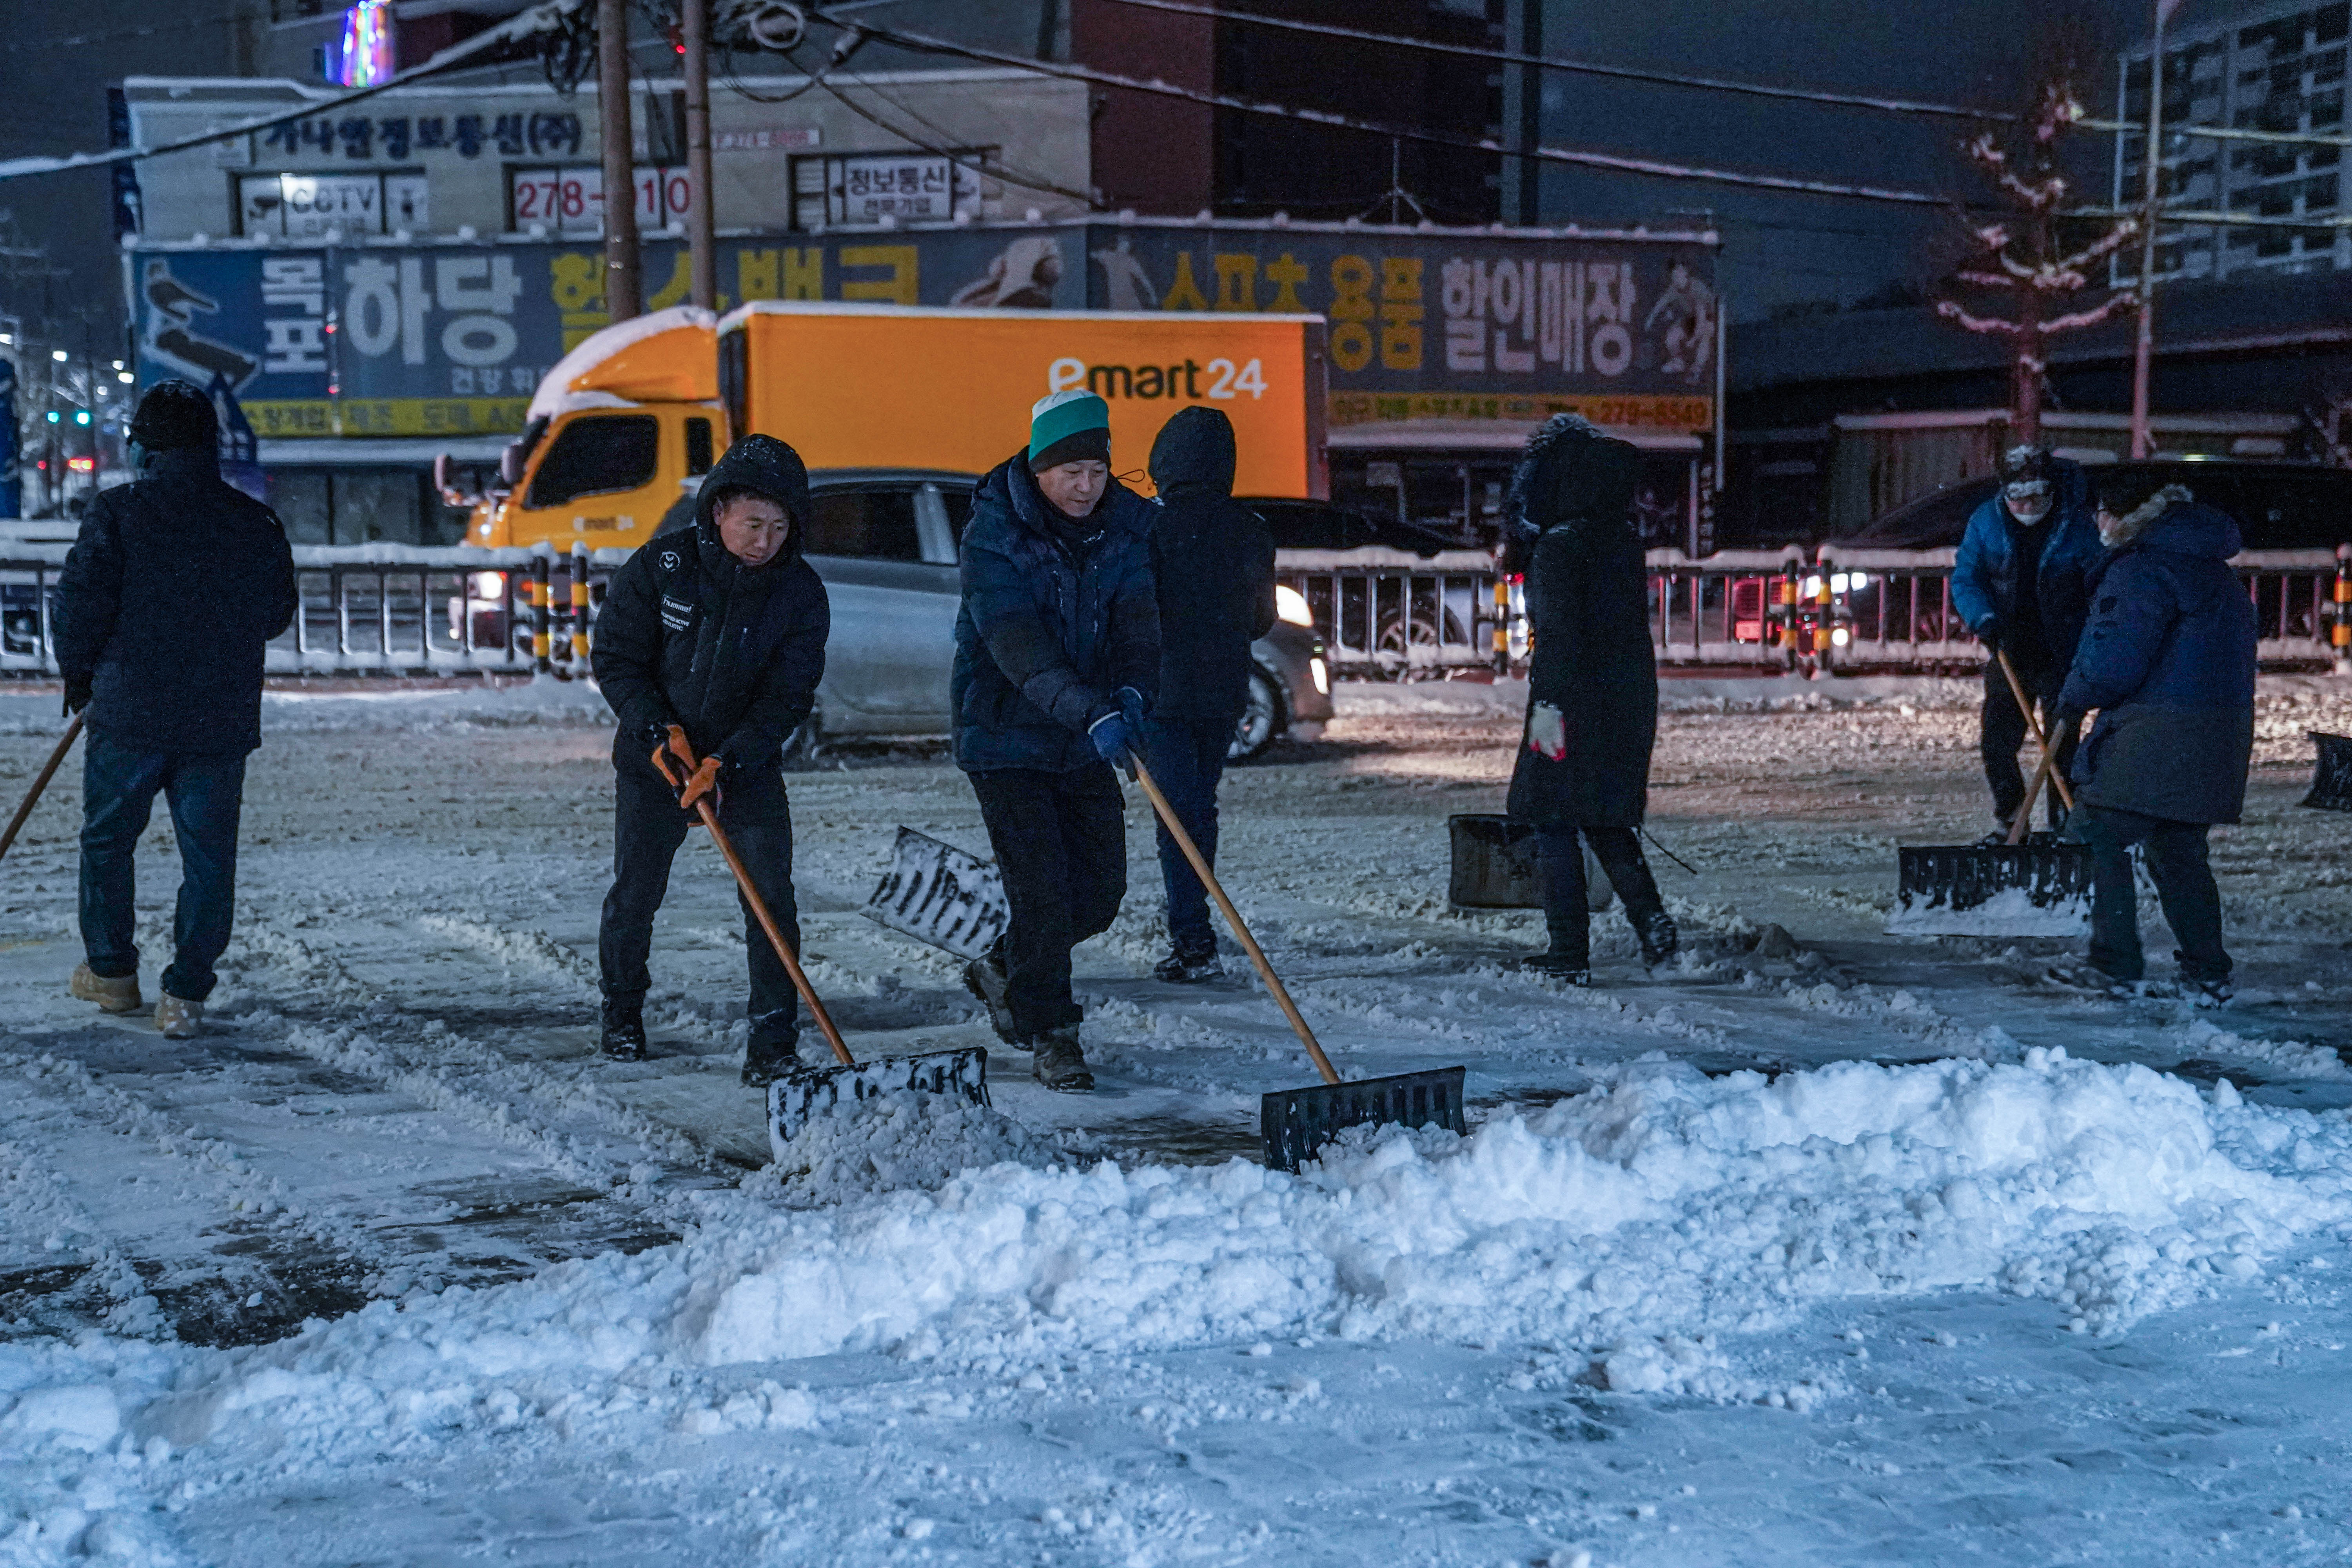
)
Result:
{"points": [[1290, 605], [1318, 673]]}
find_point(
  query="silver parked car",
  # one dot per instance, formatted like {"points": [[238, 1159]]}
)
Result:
{"points": [[884, 540]]}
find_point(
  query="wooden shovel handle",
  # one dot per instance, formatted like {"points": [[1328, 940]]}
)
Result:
{"points": [[678, 751], [40, 783], [2017, 829], [1241, 929], [2033, 722]]}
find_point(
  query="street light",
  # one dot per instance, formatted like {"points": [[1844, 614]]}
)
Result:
{"points": [[59, 355]]}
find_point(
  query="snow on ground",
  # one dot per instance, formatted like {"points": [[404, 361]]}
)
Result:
{"points": [[1821, 1246]]}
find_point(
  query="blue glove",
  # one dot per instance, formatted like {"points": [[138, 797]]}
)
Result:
{"points": [[1114, 740], [1131, 707]]}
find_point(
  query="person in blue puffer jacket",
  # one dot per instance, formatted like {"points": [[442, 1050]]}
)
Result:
{"points": [[2168, 660], [1058, 659], [2018, 583]]}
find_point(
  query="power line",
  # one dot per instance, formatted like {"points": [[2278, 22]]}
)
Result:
{"points": [[1584, 67], [2215, 132], [924, 43]]}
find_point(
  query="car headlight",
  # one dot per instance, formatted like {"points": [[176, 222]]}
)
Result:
{"points": [[488, 585], [1290, 605], [1317, 672]]}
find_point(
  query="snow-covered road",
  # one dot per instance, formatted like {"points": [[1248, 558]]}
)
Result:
{"points": [[388, 1267]]}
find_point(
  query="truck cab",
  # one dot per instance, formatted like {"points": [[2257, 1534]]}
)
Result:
{"points": [[621, 428]]}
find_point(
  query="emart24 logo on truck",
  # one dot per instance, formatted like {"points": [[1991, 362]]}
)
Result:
{"points": [[1219, 380]]}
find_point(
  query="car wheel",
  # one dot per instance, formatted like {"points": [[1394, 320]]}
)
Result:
{"points": [[1262, 719]]}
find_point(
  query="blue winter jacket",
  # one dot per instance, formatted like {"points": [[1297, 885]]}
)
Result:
{"points": [[2168, 660], [1050, 628], [1984, 575]]}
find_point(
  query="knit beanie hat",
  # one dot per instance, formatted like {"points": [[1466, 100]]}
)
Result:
{"points": [[174, 416], [1071, 426]]}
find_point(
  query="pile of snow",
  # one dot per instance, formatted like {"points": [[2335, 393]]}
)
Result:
{"points": [[1636, 1223], [2009, 912], [899, 1143]]}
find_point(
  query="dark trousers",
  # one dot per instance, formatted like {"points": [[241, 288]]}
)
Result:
{"points": [[205, 792], [647, 828], [2177, 864], [2005, 729], [1187, 757], [1567, 914], [1061, 847]]}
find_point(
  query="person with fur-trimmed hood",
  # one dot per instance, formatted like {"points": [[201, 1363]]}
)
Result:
{"points": [[1583, 763], [2168, 660], [1058, 659], [719, 629], [2018, 583]]}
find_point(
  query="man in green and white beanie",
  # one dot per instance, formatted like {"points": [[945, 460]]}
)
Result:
{"points": [[1057, 656]]}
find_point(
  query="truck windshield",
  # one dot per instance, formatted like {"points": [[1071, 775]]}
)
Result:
{"points": [[597, 455]]}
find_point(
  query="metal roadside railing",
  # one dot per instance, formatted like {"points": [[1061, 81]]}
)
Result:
{"points": [[379, 609], [401, 610]]}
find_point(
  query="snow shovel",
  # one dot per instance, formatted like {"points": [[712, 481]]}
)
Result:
{"points": [[2017, 889], [40, 783], [1293, 1123], [936, 893], [2331, 780], [803, 1093], [2032, 723]]}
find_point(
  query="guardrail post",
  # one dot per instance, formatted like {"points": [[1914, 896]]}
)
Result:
{"points": [[1502, 624], [2339, 612], [1786, 609], [541, 640], [580, 608], [1825, 614]]}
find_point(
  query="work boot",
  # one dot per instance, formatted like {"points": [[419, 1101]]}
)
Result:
{"points": [[178, 1017], [2000, 835], [769, 1058], [985, 978], [624, 1037], [1059, 1063], [1573, 969], [1659, 938], [2210, 993], [1188, 966], [113, 993]]}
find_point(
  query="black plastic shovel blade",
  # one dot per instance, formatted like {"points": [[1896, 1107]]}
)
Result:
{"points": [[1296, 1122], [805, 1093], [2042, 888], [2331, 781]]}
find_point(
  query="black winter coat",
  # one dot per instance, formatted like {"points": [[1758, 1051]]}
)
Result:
{"points": [[173, 587], [690, 636], [1212, 565], [1588, 607], [1049, 630]]}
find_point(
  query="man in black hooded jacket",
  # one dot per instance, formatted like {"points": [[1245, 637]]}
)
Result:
{"points": [[1212, 564], [721, 630]]}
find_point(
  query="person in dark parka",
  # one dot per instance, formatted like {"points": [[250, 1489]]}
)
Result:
{"points": [[2018, 581], [1592, 685], [1057, 655], [1212, 564], [721, 630], [174, 586], [2168, 660]]}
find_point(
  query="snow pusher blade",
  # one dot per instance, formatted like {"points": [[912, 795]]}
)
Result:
{"points": [[2331, 780], [936, 893], [804, 1094], [2036, 886], [812, 1091], [1295, 1122]]}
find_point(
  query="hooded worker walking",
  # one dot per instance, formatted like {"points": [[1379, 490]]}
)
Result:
{"points": [[1583, 767], [2168, 660], [720, 630], [174, 586], [1212, 565], [1057, 656]]}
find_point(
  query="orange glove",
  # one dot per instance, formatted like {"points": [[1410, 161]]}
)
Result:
{"points": [[704, 780]]}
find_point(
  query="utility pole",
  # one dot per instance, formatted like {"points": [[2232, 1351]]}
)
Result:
{"points": [[622, 283], [2152, 162], [701, 224]]}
